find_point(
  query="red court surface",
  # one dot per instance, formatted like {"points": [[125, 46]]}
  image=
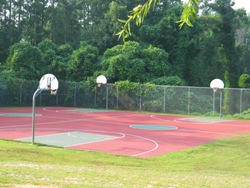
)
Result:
{"points": [[134, 133]]}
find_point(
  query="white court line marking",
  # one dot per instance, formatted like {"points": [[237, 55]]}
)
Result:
{"points": [[161, 119], [137, 126], [220, 123], [123, 135], [181, 120], [73, 130], [69, 120], [91, 142], [94, 120], [100, 121], [148, 151], [74, 136], [117, 111], [193, 130], [48, 110], [187, 120], [207, 132], [46, 135], [91, 131], [75, 110]]}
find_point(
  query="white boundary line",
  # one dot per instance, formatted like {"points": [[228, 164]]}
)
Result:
{"points": [[89, 119], [123, 135], [206, 132], [96, 120], [68, 121], [149, 151], [100, 131], [193, 130], [219, 123], [184, 120], [138, 125]]}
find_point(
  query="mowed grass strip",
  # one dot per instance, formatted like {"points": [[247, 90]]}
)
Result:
{"points": [[223, 163]]}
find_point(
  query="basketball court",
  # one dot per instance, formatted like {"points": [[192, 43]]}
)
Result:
{"points": [[115, 132]]}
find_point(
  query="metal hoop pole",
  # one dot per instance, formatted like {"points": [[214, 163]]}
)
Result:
{"points": [[37, 92]]}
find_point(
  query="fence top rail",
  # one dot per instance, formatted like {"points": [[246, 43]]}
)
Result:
{"points": [[163, 86]]}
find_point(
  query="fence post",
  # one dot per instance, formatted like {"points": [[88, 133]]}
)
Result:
{"points": [[241, 100], [95, 98], [107, 96], [220, 104], [75, 94], [57, 99], [188, 99], [140, 97], [20, 94], [164, 100], [117, 97], [213, 102]]}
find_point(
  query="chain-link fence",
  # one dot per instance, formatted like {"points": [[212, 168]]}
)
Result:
{"points": [[165, 99]]}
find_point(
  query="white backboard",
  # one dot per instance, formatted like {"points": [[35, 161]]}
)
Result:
{"points": [[48, 82], [217, 84], [101, 79]]}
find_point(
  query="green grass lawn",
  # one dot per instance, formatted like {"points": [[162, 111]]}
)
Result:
{"points": [[220, 164]]}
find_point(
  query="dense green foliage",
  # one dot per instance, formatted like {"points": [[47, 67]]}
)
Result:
{"points": [[244, 81], [76, 40], [135, 63]]}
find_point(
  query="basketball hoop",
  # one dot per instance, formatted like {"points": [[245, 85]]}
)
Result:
{"points": [[49, 82], [216, 84], [101, 80], [53, 92]]}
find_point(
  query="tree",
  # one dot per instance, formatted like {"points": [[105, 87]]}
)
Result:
{"points": [[84, 62], [169, 80], [104, 24], [66, 27], [161, 30], [135, 63], [24, 61], [244, 81], [49, 54], [140, 12], [60, 65], [226, 36]]}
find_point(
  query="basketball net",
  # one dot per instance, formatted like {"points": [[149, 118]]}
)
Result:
{"points": [[99, 84], [53, 92], [215, 89]]}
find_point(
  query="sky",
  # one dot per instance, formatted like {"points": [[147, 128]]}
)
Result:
{"points": [[242, 4], [239, 4]]}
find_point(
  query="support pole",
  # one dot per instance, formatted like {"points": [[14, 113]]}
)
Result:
{"points": [[220, 104], [213, 102], [33, 113]]}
